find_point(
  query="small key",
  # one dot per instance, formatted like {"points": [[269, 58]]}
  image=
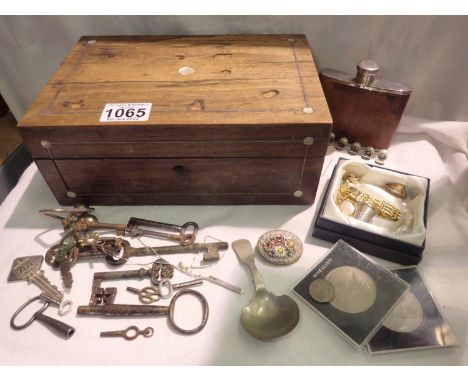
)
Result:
{"points": [[146, 295], [130, 333], [29, 268], [166, 283]]}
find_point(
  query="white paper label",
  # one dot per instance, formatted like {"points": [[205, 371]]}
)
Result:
{"points": [[113, 112]]}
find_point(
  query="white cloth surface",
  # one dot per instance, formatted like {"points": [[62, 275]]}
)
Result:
{"points": [[437, 150]]}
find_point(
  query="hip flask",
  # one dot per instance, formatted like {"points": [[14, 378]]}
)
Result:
{"points": [[364, 108]]}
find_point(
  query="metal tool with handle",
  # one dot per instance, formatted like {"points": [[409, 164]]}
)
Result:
{"points": [[56, 326]]}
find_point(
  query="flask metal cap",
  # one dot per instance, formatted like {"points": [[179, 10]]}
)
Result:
{"points": [[368, 66], [366, 72]]}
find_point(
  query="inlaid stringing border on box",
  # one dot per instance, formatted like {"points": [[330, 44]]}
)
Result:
{"points": [[52, 108]]}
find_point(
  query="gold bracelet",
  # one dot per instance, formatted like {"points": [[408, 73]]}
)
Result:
{"points": [[348, 191]]}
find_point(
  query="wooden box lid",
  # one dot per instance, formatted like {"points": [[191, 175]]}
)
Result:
{"points": [[236, 80]]}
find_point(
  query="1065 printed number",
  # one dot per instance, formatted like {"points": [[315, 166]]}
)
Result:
{"points": [[129, 113], [125, 112]]}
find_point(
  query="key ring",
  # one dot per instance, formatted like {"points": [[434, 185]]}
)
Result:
{"points": [[65, 307], [33, 317], [165, 283], [188, 238], [204, 307], [121, 257]]}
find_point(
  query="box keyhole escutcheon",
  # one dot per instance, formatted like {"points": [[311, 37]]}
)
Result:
{"points": [[181, 172]]}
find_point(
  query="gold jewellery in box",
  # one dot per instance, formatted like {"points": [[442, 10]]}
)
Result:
{"points": [[349, 192]]}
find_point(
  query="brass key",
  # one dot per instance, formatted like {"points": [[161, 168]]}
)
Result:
{"points": [[147, 295], [29, 268]]}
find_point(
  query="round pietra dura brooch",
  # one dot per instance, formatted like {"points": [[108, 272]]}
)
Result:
{"points": [[279, 247]]}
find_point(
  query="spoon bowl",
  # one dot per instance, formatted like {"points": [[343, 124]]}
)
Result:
{"points": [[269, 316]]}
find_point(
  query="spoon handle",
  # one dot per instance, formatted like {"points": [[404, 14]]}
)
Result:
{"points": [[245, 253], [256, 277]]}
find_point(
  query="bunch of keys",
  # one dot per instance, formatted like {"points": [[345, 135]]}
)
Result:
{"points": [[117, 251]]}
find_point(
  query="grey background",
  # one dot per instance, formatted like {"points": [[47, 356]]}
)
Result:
{"points": [[428, 52]]}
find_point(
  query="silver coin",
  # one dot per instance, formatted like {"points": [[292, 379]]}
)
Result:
{"points": [[355, 290], [407, 315], [321, 290]]}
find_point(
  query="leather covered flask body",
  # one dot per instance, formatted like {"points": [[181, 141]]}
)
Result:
{"points": [[364, 109]]}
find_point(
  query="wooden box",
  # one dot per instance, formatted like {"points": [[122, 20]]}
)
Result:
{"points": [[234, 119]]}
